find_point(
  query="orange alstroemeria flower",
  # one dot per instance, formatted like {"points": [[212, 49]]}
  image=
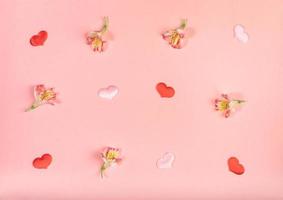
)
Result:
{"points": [[110, 157], [95, 38], [42, 96], [227, 105], [175, 37]]}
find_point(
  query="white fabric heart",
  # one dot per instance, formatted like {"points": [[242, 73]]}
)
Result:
{"points": [[108, 93], [166, 161], [241, 34]]}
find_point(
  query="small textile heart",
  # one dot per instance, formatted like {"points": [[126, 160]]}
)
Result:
{"points": [[240, 34], [166, 161], [42, 162], [235, 166], [108, 93], [39, 39], [164, 90]]}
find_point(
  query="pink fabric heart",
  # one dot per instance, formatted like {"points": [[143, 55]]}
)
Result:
{"points": [[166, 161], [108, 93], [241, 34]]}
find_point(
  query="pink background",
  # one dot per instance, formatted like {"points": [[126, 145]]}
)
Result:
{"points": [[144, 125]]}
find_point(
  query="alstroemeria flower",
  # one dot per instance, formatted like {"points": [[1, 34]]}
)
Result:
{"points": [[43, 95], [110, 157], [227, 105], [94, 38], [176, 36]]}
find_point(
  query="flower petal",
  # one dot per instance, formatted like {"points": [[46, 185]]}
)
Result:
{"points": [[38, 89], [227, 113]]}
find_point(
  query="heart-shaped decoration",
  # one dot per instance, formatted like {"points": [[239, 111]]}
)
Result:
{"points": [[235, 166], [166, 161], [241, 34], [164, 90], [39, 39], [42, 162], [108, 93]]}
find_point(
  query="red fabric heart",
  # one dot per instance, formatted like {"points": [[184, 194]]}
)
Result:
{"points": [[42, 162], [39, 39], [235, 166], [164, 90]]}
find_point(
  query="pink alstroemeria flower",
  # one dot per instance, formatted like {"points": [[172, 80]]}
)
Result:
{"points": [[176, 36], [43, 95], [94, 38], [110, 157], [227, 105]]}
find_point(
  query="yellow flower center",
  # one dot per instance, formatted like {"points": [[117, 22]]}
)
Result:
{"points": [[47, 95], [112, 155], [175, 38], [223, 105], [97, 42]]}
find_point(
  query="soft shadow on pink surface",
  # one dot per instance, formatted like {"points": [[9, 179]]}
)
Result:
{"points": [[137, 120]]}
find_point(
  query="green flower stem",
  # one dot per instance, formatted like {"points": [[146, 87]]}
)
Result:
{"points": [[102, 169], [240, 101], [104, 166], [184, 23], [33, 106], [105, 26]]}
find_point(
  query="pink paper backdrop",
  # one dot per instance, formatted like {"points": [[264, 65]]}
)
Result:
{"points": [[138, 120]]}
